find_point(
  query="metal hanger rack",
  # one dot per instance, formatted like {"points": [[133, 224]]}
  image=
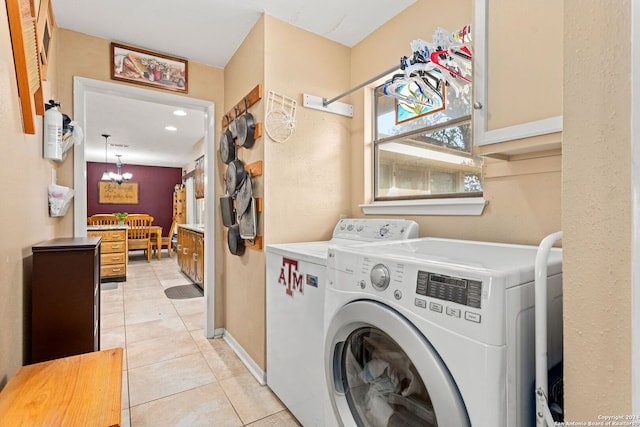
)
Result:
{"points": [[440, 55], [330, 105]]}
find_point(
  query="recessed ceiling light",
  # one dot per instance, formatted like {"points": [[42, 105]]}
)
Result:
{"points": [[180, 113], [171, 128]]}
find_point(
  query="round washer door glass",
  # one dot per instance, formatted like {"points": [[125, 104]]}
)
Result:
{"points": [[381, 371], [381, 384]]}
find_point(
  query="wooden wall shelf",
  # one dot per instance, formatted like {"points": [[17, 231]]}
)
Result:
{"points": [[257, 243], [255, 168]]}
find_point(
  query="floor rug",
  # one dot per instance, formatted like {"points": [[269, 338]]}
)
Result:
{"points": [[184, 292]]}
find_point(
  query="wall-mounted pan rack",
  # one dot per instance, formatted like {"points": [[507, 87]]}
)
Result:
{"points": [[252, 97]]}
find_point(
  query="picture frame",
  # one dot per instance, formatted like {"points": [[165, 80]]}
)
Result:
{"points": [[140, 66], [112, 193], [23, 31]]}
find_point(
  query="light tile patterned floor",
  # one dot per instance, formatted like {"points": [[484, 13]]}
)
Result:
{"points": [[173, 375]]}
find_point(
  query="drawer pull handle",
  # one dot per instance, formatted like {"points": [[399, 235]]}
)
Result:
{"points": [[115, 258], [115, 246], [115, 269]]}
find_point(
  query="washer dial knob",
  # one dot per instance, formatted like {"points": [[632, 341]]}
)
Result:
{"points": [[380, 277]]}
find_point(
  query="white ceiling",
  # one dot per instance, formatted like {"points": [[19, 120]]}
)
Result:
{"points": [[205, 31], [140, 127]]}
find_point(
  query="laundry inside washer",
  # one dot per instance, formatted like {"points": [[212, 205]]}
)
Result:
{"points": [[381, 383]]}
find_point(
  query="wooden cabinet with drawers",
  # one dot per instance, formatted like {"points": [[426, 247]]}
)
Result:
{"points": [[113, 258], [65, 298], [191, 254]]}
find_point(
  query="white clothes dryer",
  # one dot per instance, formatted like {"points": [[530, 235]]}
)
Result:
{"points": [[296, 276], [436, 332]]}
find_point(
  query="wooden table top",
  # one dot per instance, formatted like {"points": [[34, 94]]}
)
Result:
{"points": [[83, 390]]}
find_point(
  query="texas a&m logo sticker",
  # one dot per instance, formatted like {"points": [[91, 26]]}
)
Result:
{"points": [[292, 279]]}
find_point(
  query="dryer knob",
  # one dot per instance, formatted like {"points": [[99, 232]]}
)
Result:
{"points": [[380, 277]]}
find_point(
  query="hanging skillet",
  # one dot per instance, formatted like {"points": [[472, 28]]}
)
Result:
{"points": [[227, 210], [246, 127], [235, 176], [228, 149], [235, 242], [245, 193]]}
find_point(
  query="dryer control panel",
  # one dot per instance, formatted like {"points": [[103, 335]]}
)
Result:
{"points": [[372, 230]]}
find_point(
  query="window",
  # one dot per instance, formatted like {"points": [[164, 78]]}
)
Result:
{"points": [[424, 152]]}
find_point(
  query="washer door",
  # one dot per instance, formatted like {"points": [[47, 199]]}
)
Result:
{"points": [[381, 371]]}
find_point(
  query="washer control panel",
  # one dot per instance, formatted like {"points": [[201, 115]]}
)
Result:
{"points": [[448, 288], [445, 296]]}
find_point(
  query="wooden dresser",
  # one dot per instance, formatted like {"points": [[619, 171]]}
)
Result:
{"points": [[65, 298], [113, 258]]}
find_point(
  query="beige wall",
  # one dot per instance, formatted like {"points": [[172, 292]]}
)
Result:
{"points": [[524, 195], [25, 176], [305, 186], [596, 209], [86, 56], [307, 177], [243, 276]]}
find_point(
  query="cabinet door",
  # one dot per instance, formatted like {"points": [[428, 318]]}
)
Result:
{"points": [[517, 84], [199, 268], [180, 248]]}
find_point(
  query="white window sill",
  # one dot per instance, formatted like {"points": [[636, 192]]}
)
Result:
{"points": [[460, 206]]}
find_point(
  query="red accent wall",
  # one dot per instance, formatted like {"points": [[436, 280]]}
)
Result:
{"points": [[155, 191]]}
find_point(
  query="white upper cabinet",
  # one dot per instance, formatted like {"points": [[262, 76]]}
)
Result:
{"points": [[517, 84]]}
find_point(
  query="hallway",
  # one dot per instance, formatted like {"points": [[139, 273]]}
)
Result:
{"points": [[173, 375]]}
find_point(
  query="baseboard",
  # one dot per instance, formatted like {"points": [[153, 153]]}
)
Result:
{"points": [[251, 365]]}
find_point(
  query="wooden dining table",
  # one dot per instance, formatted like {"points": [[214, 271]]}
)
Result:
{"points": [[157, 230]]}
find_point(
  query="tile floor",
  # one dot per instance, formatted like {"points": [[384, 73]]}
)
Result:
{"points": [[172, 374]]}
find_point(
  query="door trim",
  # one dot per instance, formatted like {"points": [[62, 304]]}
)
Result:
{"points": [[82, 85]]}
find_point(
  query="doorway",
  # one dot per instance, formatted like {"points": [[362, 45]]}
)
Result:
{"points": [[83, 86]]}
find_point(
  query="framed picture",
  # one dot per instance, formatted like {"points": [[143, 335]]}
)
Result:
{"points": [[135, 65], [118, 194]]}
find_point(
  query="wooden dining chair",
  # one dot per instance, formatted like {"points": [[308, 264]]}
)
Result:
{"points": [[102, 219], [139, 233], [165, 242]]}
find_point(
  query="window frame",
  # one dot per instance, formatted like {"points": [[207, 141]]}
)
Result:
{"points": [[471, 203]]}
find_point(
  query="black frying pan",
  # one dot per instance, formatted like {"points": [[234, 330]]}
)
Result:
{"points": [[227, 210], [228, 149], [235, 242], [246, 126], [235, 175]]}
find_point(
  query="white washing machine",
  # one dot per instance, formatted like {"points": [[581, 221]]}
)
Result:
{"points": [[436, 332], [296, 275]]}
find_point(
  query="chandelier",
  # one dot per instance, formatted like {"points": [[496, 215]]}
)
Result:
{"points": [[117, 177]]}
